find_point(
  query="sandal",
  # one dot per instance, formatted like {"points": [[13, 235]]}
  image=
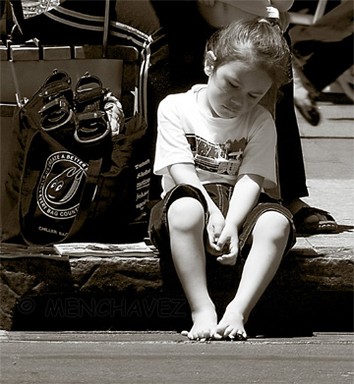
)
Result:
{"points": [[92, 127], [93, 130], [57, 98], [309, 112], [89, 94], [325, 223]]}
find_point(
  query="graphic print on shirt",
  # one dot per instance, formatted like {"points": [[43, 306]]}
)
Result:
{"points": [[224, 159]]}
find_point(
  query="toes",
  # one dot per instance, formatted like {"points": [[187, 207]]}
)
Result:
{"points": [[228, 331], [198, 336], [238, 335], [184, 333]]}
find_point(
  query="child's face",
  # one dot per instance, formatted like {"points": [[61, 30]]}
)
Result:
{"points": [[235, 88]]}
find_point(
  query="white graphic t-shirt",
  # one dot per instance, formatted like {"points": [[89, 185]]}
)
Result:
{"points": [[221, 149]]}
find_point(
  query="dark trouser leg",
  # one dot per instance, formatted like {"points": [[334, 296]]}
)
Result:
{"points": [[334, 58], [291, 163], [187, 34]]}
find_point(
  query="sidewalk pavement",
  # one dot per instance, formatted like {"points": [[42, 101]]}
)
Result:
{"points": [[167, 357], [329, 160]]}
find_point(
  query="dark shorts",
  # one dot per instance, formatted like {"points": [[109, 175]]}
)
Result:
{"points": [[221, 195]]}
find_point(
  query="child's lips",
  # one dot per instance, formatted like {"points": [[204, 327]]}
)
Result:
{"points": [[232, 109]]}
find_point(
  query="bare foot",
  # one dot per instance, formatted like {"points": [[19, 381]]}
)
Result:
{"points": [[231, 326], [204, 324]]}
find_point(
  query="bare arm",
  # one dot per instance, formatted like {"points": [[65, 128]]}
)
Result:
{"points": [[282, 5], [221, 12], [244, 198]]}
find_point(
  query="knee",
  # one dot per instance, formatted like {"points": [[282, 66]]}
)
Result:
{"points": [[273, 225], [185, 214]]}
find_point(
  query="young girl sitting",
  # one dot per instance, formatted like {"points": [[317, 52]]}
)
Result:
{"points": [[216, 153]]}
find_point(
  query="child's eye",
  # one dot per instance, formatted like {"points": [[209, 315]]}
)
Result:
{"points": [[233, 85]]}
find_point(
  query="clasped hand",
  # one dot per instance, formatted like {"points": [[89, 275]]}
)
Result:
{"points": [[223, 240]]}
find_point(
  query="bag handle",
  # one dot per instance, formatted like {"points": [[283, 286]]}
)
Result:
{"points": [[106, 28]]}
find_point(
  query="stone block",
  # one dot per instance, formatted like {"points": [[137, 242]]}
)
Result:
{"points": [[23, 279], [131, 293]]}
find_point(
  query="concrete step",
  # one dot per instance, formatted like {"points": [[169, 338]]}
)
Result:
{"points": [[312, 291]]}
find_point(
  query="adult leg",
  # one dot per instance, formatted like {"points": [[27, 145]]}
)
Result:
{"points": [[292, 176], [330, 37], [186, 226], [187, 34], [334, 25], [334, 58], [313, 76], [269, 239]]}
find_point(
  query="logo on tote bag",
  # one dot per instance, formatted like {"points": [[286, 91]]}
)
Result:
{"points": [[60, 186]]}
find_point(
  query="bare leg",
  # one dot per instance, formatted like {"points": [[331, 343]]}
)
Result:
{"points": [[186, 225], [304, 97], [270, 236]]}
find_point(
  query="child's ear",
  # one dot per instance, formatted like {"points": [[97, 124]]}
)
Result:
{"points": [[209, 63]]}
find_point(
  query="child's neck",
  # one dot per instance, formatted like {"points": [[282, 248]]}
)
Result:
{"points": [[203, 103]]}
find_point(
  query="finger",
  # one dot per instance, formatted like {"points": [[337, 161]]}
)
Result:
{"points": [[221, 241], [214, 237], [227, 259], [225, 244], [234, 249]]}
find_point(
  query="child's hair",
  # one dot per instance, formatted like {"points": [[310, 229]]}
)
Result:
{"points": [[254, 42]]}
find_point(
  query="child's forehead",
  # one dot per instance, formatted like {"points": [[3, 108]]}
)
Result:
{"points": [[252, 76], [238, 66]]}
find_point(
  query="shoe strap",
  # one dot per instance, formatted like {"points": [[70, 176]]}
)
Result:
{"points": [[94, 131], [59, 103], [55, 85], [87, 97]]}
